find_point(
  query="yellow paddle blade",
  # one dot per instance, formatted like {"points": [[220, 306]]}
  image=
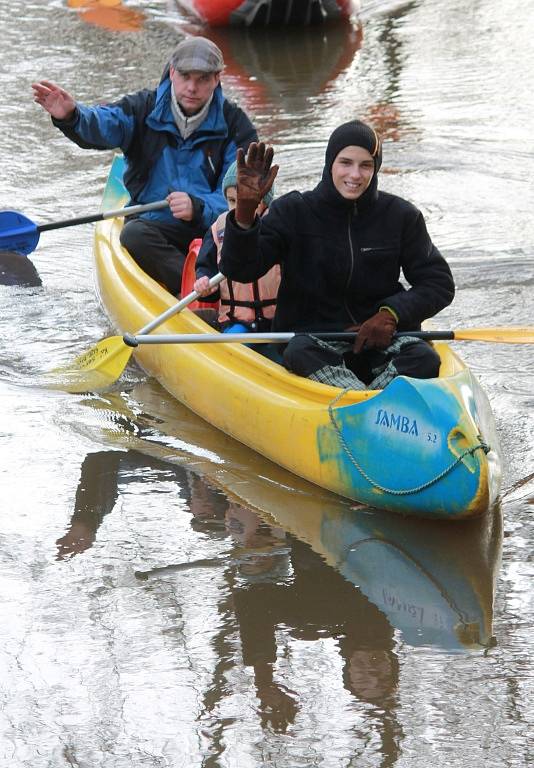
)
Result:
{"points": [[517, 335], [96, 369]]}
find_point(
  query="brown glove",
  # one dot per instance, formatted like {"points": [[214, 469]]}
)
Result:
{"points": [[377, 332], [255, 178]]}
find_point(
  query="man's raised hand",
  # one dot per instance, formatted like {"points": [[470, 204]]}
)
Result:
{"points": [[56, 101]]}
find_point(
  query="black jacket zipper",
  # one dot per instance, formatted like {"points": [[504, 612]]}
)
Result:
{"points": [[352, 264]]}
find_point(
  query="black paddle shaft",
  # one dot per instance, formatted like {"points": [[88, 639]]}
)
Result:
{"points": [[71, 222], [129, 211], [427, 335]]}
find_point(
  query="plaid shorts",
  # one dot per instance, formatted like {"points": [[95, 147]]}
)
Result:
{"points": [[341, 376]]}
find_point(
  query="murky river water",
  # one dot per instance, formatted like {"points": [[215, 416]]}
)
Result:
{"points": [[167, 597]]}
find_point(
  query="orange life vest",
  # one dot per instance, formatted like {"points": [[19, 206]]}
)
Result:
{"points": [[246, 303]]}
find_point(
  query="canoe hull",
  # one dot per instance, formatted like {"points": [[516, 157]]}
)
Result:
{"points": [[417, 447]]}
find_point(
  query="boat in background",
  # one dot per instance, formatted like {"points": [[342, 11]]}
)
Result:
{"points": [[262, 13], [109, 14], [421, 447]]}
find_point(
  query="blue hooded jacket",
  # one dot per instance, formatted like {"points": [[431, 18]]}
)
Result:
{"points": [[158, 159]]}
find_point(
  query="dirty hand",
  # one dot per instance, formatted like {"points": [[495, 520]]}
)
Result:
{"points": [[377, 332], [181, 206], [202, 286], [255, 177], [54, 99]]}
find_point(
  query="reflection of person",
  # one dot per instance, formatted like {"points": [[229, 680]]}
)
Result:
{"points": [[95, 497], [178, 141], [262, 565], [341, 248], [243, 306], [272, 581], [259, 563], [316, 602], [98, 491], [291, 586]]}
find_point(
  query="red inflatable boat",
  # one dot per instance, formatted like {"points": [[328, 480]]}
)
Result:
{"points": [[250, 13]]}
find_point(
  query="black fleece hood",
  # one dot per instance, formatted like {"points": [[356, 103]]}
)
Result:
{"points": [[352, 134]]}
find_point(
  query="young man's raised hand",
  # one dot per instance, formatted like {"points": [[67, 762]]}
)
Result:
{"points": [[255, 177]]}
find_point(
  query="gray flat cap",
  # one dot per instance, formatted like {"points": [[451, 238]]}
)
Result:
{"points": [[197, 54]]}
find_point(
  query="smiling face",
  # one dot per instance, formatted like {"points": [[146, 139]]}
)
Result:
{"points": [[352, 171], [193, 89]]}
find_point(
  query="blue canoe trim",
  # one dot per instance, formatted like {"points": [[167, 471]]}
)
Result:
{"points": [[402, 439]]}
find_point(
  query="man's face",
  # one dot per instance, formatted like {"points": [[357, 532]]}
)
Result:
{"points": [[193, 89], [352, 171]]}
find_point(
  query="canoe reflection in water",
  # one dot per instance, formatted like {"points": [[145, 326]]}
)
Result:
{"points": [[308, 570]]}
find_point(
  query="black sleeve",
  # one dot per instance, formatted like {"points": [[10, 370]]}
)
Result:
{"points": [[430, 278], [249, 254], [206, 263]]}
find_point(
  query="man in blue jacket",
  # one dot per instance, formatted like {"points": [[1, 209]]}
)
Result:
{"points": [[178, 141]]}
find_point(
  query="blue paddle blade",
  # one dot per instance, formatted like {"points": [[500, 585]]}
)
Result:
{"points": [[17, 233]]}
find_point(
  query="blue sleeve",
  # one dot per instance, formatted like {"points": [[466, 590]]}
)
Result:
{"points": [[104, 127], [242, 133], [215, 202]]}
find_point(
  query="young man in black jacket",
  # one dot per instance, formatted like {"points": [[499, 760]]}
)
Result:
{"points": [[342, 248]]}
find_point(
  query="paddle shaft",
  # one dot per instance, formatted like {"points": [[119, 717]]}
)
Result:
{"points": [[130, 210], [262, 338], [174, 310]]}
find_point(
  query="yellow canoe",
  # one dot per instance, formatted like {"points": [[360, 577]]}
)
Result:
{"points": [[427, 448]]}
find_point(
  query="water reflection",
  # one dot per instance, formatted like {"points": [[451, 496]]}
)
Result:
{"points": [[298, 570], [433, 580], [272, 589], [109, 14], [386, 113], [17, 269], [289, 66], [96, 495], [272, 582]]}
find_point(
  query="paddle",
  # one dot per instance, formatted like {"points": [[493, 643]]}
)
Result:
{"points": [[100, 366], [20, 234], [521, 335]]}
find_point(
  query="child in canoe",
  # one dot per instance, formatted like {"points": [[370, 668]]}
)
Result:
{"points": [[244, 307], [342, 248]]}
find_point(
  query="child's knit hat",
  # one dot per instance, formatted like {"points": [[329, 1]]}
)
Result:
{"points": [[230, 180]]}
